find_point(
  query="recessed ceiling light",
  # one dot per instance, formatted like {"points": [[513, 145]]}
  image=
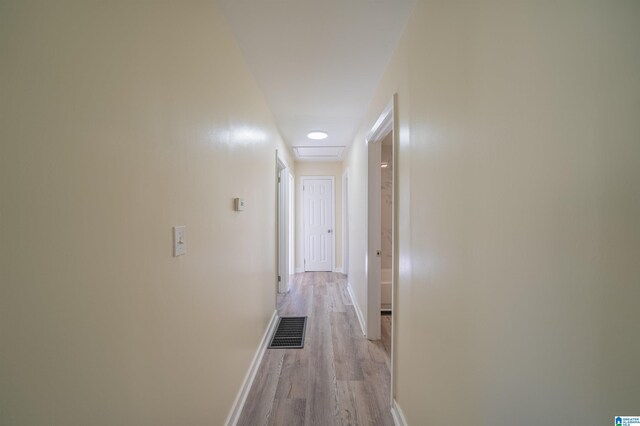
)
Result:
{"points": [[317, 135], [384, 164]]}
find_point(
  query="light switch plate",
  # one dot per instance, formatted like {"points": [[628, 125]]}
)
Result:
{"points": [[179, 240]]}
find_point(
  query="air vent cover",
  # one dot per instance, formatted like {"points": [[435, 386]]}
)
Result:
{"points": [[289, 333]]}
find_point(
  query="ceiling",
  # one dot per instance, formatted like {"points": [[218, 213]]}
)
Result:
{"points": [[318, 62]]}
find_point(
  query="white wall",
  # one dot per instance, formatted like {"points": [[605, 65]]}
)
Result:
{"points": [[118, 121], [519, 182], [318, 168]]}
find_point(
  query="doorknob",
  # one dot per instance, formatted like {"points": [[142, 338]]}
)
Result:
{"points": [[329, 231]]}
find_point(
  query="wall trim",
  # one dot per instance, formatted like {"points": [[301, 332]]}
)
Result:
{"points": [[357, 308], [384, 123], [241, 398], [298, 270], [398, 415], [338, 270]]}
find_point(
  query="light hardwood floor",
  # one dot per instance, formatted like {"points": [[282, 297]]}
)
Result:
{"points": [[338, 378], [385, 328]]}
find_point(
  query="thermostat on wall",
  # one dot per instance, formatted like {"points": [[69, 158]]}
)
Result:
{"points": [[238, 204], [179, 240]]}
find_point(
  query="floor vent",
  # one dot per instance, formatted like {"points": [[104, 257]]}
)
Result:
{"points": [[289, 333]]}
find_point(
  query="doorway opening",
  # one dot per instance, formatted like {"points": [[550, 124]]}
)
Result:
{"points": [[381, 262], [284, 223]]}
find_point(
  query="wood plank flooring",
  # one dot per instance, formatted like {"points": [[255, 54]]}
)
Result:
{"points": [[385, 328], [338, 378]]}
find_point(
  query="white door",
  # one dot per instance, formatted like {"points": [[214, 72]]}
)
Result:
{"points": [[292, 231], [283, 227], [374, 239], [317, 198], [345, 223]]}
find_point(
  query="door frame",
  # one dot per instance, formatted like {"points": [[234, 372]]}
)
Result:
{"points": [[387, 122], [378, 132], [333, 220], [282, 224]]}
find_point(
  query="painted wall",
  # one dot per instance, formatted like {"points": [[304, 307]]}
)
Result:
{"points": [[312, 168], [519, 198], [118, 121]]}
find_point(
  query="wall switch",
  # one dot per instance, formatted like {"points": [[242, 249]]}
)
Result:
{"points": [[238, 204], [179, 240]]}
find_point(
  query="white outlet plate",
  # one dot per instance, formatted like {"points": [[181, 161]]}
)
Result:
{"points": [[179, 240], [239, 204]]}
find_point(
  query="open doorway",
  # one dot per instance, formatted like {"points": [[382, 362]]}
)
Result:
{"points": [[284, 221], [381, 260], [380, 221]]}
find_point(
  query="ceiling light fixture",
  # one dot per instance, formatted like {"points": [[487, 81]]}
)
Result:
{"points": [[384, 164], [317, 135]]}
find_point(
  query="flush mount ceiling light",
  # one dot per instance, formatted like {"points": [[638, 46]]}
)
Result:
{"points": [[317, 135]]}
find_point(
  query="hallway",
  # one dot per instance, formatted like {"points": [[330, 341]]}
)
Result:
{"points": [[153, 165], [339, 377]]}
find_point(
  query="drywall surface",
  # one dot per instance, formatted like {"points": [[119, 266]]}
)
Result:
{"points": [[518, 186], [119, 120]]}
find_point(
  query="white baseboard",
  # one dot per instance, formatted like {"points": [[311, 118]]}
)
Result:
{"points": [[398, 415], [357, 308], [241, 398], [338, 270]]}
